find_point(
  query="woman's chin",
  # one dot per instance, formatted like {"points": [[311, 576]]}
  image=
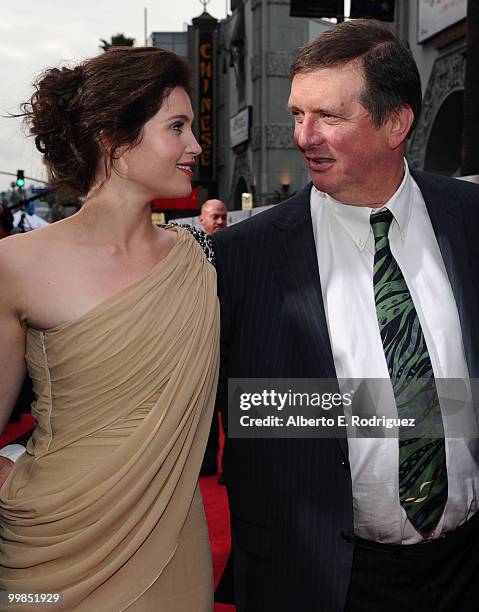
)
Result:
{"points": [[176, 191]]}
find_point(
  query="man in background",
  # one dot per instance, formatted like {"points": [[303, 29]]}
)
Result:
{"points": [[214, 216]]}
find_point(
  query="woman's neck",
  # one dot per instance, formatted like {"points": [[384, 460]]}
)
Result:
{"points": [[116, 216]]}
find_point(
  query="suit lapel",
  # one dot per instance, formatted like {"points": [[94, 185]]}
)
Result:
{"points": [[294, 260], [444, 212]]}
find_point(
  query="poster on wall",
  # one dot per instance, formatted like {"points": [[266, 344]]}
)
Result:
{"points": [[239, 127], [437, 15]]}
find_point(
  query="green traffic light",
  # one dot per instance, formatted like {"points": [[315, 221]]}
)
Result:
{"points": [[20, 178]]}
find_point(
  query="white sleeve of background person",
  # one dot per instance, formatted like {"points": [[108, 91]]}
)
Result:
{"points": [[12, 451]]}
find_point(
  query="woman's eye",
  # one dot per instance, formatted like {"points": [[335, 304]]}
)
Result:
{"points": [[177, 126]]}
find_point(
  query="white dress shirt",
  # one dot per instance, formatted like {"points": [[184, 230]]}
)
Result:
{"points": [[345, 250]]}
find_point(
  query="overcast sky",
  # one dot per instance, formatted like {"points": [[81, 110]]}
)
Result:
{"points": [[36, 34]]}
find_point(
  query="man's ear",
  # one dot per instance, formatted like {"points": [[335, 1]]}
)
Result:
{"points": [[399, 124]]}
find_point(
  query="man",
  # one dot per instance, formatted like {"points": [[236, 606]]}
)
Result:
{"points": [[213, 217], [326, 525]]}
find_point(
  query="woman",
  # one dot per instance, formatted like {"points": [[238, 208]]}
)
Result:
{"points": [[118, 322]]}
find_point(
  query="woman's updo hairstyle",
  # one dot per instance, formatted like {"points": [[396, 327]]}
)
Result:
{"points": [[106, 99]]}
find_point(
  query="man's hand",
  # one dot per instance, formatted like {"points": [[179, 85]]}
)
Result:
{"points": [[5, 467]]}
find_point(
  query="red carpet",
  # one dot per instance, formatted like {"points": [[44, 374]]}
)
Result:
{"points": [[214, 497], [16, 430], [218, 517]]}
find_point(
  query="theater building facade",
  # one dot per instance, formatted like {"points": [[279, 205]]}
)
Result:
{"points": [[241, 67]]}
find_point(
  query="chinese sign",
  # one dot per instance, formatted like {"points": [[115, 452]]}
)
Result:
{"points": [[206, 106]]}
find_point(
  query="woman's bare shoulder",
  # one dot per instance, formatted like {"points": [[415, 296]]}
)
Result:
{"points": [[21, 252], [27, 265], [12, 251]]}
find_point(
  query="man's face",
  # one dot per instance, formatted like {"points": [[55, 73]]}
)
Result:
{"points": [[213, 216], [345, 153]]}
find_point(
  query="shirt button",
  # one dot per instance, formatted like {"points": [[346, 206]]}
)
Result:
{"points": [[361, 242]]}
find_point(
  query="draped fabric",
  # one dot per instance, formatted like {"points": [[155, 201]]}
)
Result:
{"points": [[96, 508]]}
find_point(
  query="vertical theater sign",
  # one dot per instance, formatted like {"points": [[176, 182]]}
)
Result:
{"points": [[204, 49], [206, 106]]}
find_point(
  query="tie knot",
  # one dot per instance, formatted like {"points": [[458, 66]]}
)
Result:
{"points": [[380, 223]]}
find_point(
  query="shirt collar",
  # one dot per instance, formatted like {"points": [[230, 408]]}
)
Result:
{"points": [[355, 219]]}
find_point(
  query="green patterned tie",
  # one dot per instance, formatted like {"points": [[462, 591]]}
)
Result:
{"points": [[422, 460]]}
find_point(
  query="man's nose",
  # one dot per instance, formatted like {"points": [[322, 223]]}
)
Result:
{"points": [[308, 133]]}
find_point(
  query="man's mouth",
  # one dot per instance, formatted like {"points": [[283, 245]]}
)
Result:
{"points": [[319, 163]]}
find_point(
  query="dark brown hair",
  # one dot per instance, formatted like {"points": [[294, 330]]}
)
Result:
{"points": [[106, 99], [390, 72]]}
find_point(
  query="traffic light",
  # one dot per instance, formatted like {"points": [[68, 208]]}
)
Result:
{"points": [[20, 178]]}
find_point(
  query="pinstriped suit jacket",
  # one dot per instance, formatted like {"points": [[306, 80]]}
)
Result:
{"points": [[291, 499]]}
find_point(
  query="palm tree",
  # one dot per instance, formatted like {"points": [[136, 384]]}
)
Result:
{"points": [[470, 135], [117, 40]]}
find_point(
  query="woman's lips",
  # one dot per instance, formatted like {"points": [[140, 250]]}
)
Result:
{"points": [[185, 168]]}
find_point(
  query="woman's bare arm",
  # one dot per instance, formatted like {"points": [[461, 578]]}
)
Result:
{"points": [[12, 346]]}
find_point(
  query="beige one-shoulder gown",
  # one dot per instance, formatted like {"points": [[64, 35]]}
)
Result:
{"points": [[104, 505]]}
